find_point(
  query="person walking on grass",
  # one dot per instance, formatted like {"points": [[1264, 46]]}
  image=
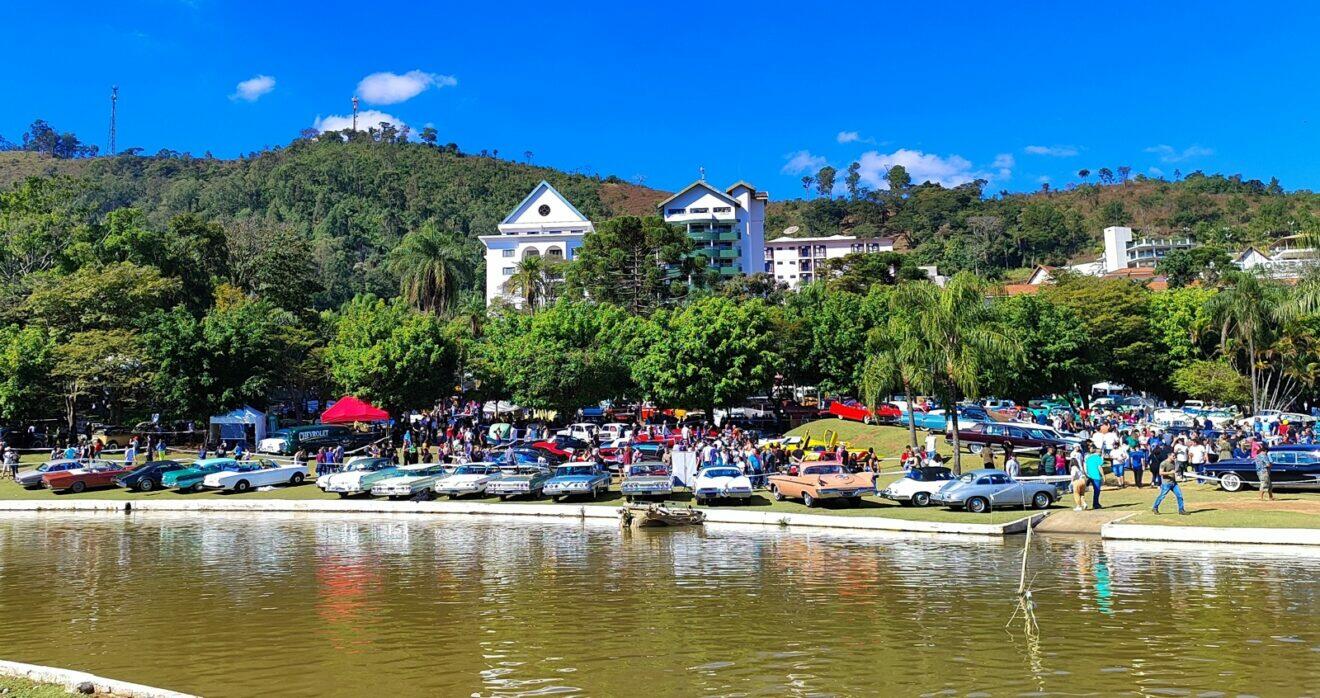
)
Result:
{"points": [[1263, 475], [1119, 458], [1095, 472], [1078, 485], [1169, 483]]}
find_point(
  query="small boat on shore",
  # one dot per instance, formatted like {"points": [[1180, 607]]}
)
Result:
{"points": [[657, 515]]}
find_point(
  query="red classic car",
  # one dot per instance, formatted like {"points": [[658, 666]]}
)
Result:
{"points": [[94, 475], [857, 412]]}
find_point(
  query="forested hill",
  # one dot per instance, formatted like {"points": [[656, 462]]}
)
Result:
{"points": [[350, 201], [963, 228]]}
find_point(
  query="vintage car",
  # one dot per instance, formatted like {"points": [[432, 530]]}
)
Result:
{"points": [[310, 437], [32, 479], [613, 431], [641, 451], [358, 476], [917, 486], [582, 431], [721, 482], [469, 478], [147, 477], [1292, 466], [936, 420], [410, 481], [578, 479], [642, 480], [97, 474], [189, 479], [519, 481], [562, 446], [112, 436], [527, 455], [820, 481], [257, 473], [1022, 437], [980, 491], [857, 412]]}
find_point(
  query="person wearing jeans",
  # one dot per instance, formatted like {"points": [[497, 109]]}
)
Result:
{"points": [[1169, 483], [1094, 464]]}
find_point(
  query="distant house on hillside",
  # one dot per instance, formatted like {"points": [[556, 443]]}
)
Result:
{"points": [[727, 225], [545, 224]]}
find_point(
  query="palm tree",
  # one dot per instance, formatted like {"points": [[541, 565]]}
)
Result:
{"points": [[533, 282], [895, 361], [432, 266], [1243, 310], [954, 334]]}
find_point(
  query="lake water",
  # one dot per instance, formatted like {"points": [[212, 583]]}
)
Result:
{"points": [[300, 606]]}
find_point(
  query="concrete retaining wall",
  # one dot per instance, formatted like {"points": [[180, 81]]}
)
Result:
{"points": [[1207, 534], [375, 506], [70, 680]]}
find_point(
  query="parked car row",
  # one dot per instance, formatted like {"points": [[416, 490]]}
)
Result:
{"points": [[225, 474]]}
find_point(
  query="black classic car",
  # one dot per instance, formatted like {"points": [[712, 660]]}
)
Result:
{"points": [[146, 478], [1291, 466]]}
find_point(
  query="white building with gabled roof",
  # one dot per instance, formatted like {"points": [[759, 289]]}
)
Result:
{"points": [[545, 224], [728, 225]]}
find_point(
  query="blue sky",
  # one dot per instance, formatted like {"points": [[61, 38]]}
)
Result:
{"points": [[758, 91]]}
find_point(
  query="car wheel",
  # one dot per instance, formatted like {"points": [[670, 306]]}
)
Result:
{"points": [[196, 488], [1230, 482], [978, 505], [921, 499], [808, 500], [146, 484], [112, 444], [774, 492], [975, 448], [343, 495], [242, 486], [628, 499], [700, 502], [78, 486], [557, 498], [1041, 500], [854, 502], [297, 479]]}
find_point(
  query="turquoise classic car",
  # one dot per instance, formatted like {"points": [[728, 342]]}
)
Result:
{"points": [[190, 478], [578, 479]]}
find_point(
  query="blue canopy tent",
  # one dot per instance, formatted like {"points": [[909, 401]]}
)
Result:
{"points": [[245, 425]]}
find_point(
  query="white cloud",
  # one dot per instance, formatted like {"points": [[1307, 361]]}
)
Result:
{"points": [[252, 89], [390, 88], [1043, 179], [803, 162], [369, 118], [1168, 153], [923, 167], [1054, 151], [1155, 171], [1004, 163], [849, 136]]}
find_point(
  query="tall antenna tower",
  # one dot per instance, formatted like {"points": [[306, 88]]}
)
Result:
{"points": [[355, 109], [114, 108]]}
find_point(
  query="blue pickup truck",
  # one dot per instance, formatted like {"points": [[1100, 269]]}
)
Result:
{"points": [[937, 420], [1291, 466]]}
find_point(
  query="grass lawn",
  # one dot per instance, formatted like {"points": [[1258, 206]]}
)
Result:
{"points": [[13, 687]]}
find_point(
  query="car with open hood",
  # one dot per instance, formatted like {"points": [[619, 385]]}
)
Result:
{"points": [[981, 491], [467, 479], [33, 479], [359, 475], [917, 485], [721, 482], [525, 480], [647, 480], [411, 481], [189, 479], [578, 480], [816, 482]]}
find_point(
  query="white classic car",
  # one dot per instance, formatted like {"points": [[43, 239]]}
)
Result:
{"points": [[257, 473], [410, 480], [614, 431], [917, 486], [469, 478], [358, 476], [585, 431], [721, 482]]}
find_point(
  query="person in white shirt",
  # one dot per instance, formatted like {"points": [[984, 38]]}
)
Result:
{"points": [[1119, 460], [1011, 466], [931, 442]]}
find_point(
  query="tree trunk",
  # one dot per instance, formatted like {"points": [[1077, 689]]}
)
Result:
{"points": [[71, 411], [912, 416], [1251, 358], [953, 420]]}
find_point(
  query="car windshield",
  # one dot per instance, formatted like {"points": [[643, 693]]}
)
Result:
{"points": [[967, 478], [823, 470], [723, 472], [574, 470], [470, 470], [641, 470]]}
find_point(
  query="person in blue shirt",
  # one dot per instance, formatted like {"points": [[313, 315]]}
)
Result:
{"points": [[1094, 465]]}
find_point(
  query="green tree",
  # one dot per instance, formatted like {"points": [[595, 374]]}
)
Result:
{"points": [[534, 282], [825, 181], [713, 352], [1180, 324], [26, 363], [274, 262], [433, 267], [109, 365], [1206, 263], [1212, 380], [388, 353], [250, 348], [961, 337], [1115, 316], [1057, 354], [99, 297], [853, 180], [636, 263], [899, 180], [1243, 310]]}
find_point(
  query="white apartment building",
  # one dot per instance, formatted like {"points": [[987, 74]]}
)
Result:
{"points": [[728, 226], [796, 261], [1123, 252], [544, 224]]}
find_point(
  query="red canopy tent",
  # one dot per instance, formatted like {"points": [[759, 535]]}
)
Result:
{"points": [[350, 409]]}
